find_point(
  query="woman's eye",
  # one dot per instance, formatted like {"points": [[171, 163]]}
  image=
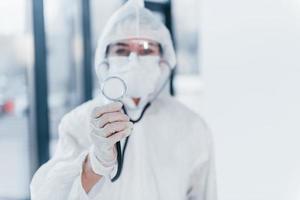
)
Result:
{"points": [[147, 52], [121, 52]]}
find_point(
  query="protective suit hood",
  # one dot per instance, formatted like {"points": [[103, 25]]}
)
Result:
{"points": [[134, 21]]}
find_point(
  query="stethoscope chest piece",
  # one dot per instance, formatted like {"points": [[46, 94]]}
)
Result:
{"points": [[114, 88]]}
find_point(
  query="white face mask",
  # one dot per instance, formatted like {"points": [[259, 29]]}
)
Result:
{"points": [[140, 74]]}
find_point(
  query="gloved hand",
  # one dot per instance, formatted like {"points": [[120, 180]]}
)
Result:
{"points": [[108, 125]]}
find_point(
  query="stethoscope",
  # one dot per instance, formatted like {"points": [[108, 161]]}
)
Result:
{"points": [[114, 89]]}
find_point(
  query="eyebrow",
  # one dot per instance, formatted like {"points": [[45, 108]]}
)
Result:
{"points": [[153, 44], [121, 44]]}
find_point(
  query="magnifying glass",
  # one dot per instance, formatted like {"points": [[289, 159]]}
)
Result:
{"points": [[114, 88]]}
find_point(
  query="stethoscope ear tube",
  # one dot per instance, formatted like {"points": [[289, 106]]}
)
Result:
{"points": [[120, 153], [120, 159]]}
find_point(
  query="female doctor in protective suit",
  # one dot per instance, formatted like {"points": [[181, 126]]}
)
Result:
{"points": [[169, 154]]}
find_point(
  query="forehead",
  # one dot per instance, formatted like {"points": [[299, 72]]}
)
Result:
{"points": [[145, 43]]}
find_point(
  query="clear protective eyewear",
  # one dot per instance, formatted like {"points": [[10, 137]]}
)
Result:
{"points": [[141, 47]]}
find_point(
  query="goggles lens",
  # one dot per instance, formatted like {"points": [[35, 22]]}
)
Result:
{"points": [[124, 48]]}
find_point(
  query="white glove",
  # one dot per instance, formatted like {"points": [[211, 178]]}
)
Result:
{"points": [[108, 126]]}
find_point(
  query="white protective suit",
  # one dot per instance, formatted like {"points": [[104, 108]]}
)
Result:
{"points": [[169, 154]]}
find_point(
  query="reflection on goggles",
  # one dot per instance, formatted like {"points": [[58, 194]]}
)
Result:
{"points": [[140, 47]]}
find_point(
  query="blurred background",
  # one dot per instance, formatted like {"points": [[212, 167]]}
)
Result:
{"points": [[238, 67]]}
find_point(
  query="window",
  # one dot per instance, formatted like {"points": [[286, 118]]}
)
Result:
{"points": [[64, 59], [16, 56]]}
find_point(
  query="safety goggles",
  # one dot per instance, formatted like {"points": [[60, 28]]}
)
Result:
{"points": [[141, 47]]}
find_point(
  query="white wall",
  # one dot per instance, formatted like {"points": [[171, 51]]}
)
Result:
{"points": [[251, 71]]}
